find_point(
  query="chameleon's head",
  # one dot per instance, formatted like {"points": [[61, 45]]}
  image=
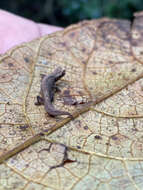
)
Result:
{"points": [[58, 73]]}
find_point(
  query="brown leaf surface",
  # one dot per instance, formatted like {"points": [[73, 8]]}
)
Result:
{"points": [[102, 147]]}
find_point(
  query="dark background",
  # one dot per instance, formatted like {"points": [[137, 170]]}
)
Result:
{"points": [[65, 12]]}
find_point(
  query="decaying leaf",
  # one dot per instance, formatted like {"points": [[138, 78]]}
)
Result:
{"points": [[102, 147]]}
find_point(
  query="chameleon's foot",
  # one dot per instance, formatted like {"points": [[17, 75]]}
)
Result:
{"points": [[40, 101]]}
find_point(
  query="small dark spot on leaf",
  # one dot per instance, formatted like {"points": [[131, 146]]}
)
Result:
{"points": [[41, 134], [23, 127], [4, 142], [114, 137], [127, 88], [68, 161], [80, 92], [10, 64], [3, 76], [108, 144], [110, 62], [84, 62], [63, 44], [26, 59], [98, 137], [45, 123], [141, 52], [94, 72], [78, 147], [134, 129], [133, 70], [46, 130], [85, 127], [12, 161], [83, 50], [49, 53], [12, 133]]}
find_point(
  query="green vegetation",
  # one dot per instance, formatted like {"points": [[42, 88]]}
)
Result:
{"points": [[65, 12]]}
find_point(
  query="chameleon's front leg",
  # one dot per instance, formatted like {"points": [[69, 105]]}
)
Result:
{"points": [[40, 101]]}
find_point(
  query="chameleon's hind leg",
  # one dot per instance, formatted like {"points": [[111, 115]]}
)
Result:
{"points": [[40, 101]]}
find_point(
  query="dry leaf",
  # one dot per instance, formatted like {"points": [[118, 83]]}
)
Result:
{"points": [[102, 147]]}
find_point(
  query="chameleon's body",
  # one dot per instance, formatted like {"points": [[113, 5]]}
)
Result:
{"points": [[47, 92]]}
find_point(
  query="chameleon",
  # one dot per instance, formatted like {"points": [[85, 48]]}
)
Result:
{"points": [[48, 88]]}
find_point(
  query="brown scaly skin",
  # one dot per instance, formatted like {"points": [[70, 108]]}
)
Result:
{"points": [[47, 92]]}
